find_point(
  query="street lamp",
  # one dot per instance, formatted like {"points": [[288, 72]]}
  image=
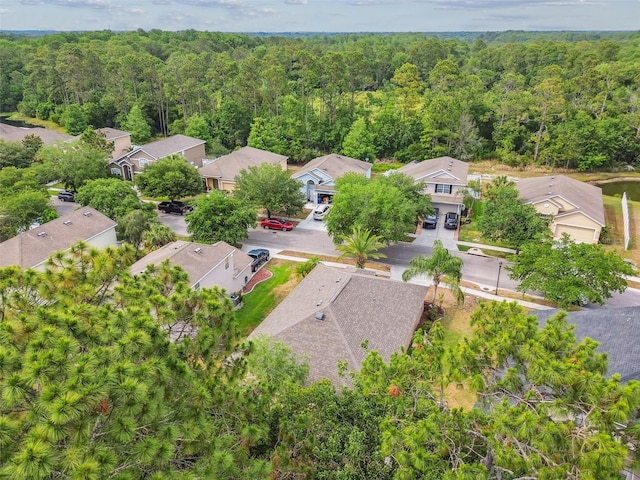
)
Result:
{"points": [[498, 281]]}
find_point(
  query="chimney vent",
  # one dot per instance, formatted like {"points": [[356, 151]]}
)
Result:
{"points": [[319, 316], [42, 234], [67, 222]]}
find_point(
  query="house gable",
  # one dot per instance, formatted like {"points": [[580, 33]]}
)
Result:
{"points": [[569, 201], [219, 264], [329, 315], [220, 173], [31, 249]]}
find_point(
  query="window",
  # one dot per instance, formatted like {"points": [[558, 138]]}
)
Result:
{"points": [[116, 171], [443, 188], [226, 263]]}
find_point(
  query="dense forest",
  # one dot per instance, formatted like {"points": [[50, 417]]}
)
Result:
{"points": [[564, 100]]}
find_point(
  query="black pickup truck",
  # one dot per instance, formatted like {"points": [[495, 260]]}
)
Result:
{"points": [[174, 207]]}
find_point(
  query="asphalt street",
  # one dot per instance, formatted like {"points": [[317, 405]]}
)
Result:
{"points": [[310, 236]]}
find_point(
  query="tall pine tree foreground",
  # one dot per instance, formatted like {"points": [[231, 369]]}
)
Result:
{"points": [[105, 375]]}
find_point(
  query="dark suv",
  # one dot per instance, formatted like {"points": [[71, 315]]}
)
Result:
{"points": [[259, 256], [66, 196], [431, 220], [174, 207], [451, 221]]}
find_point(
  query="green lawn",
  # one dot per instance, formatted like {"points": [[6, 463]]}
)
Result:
{"points": [[266, 295]]}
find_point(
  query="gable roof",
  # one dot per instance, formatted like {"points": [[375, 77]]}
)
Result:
{"points": [[31, 248], [438, 170], [196, 259], [11, 133], [170, 145], [335, 166], [356, 308], [584, 197], [112, 133], [229, 166], [616, 329]]}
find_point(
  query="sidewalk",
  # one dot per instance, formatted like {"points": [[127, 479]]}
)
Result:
{"points": [[482, 246], [396, 274]]}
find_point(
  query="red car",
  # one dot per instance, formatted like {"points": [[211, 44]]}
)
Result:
{"points": [[276, 224]]}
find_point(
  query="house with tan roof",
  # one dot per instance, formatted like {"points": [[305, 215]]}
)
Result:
{"points": [[445, 179], [121, 141], [207, 266], [31, 249], [575, 207], [337, 315], [134, 161], [318, 177], [220, 173]]}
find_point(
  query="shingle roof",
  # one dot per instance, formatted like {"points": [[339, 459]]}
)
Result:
{"points": [[31, 248], [9, 133], [616, 329], [170, 145], [445, 169], [112, 133], [586, 198], [228, 166], [356, 308], [335, 166], [196, 259]]}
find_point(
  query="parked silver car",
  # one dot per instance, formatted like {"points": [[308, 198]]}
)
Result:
{"points": [[320, 211]]}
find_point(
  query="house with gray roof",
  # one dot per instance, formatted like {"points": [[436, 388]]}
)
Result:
{"points": [[575, 208], [617, 330], [11, 133], [445, 179], [337, 315], [134, 161], [31, 249], [207, 266], [220, 173], [318, 177]]}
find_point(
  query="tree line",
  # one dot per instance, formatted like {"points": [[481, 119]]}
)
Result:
{"points": [[569, 101]]}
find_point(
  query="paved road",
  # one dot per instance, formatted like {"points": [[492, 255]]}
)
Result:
{"points": [[310, 236]]}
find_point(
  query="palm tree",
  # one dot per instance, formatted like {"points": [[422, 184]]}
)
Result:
{"points": [[361, 245], [441, 266]]}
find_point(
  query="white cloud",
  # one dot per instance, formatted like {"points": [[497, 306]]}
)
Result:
{"points": [[295, 2]]}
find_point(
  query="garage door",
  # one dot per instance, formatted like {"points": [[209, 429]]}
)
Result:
{"points": [[577, 234]]}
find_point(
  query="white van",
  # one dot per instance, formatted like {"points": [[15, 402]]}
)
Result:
{"points": [[320, 211]]}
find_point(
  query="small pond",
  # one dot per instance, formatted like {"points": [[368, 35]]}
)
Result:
{"points": [[617, 188]]}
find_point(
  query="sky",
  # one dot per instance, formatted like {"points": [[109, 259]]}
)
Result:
{"points": [[320, 15]]}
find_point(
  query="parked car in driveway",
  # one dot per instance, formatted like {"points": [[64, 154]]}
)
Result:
{"points": [[431, 220], [451, 221], [66, 196], [321, 211], [276, 224], [175, 207], [259, 256]]}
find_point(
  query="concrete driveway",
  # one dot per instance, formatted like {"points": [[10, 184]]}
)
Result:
{"points": [[427, 236], [310, 224]]}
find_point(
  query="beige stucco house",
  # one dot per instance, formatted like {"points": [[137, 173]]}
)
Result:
{"points": [[121, 141], [318, 177], [31, 249], [220, 173], [134, 161], [445, 179], [575, 207], [333, 312], [207, 266]]}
